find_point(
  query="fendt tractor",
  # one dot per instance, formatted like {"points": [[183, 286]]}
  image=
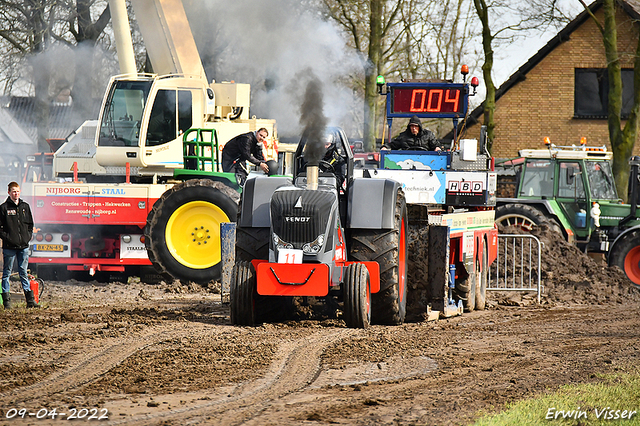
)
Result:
{"points": [[341, 234], [571, 189], [155, 147]]}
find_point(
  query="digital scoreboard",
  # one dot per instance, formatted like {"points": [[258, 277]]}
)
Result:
{"points": [[427, 100]]}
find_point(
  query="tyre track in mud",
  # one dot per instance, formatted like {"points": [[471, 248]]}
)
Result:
{"points": [[295, 367], [90, 365]]}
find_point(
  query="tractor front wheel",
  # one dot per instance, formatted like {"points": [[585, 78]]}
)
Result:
{"points": [[357, 296], [243, 294]]}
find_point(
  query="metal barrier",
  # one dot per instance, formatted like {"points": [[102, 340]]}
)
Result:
{"points": [[517, 267]]}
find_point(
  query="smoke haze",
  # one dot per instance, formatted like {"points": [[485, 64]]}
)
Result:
{"points": [[268, 43]]}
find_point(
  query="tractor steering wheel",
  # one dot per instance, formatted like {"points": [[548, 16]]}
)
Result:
{"points": [[326, 166]]}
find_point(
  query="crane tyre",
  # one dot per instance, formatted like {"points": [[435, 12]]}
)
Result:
{"points": [[389, 248], [525, 217], [183, 229], [357, 296], [626, 256], [243, 294], [482, 275]]}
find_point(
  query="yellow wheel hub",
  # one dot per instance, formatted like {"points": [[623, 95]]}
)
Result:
{"points": [[193, 234]]}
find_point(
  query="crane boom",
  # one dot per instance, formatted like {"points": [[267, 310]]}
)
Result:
{"points": [[124, 45], [168, 37]]}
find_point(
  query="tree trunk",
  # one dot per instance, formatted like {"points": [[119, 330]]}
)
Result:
{"points": [[490, 100], [41, 67], [622, 140], [372, 68]]}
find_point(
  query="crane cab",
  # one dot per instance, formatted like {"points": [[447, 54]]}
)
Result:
{"points": [[143, 118]]}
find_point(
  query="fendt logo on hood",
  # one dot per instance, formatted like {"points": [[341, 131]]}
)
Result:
{"points": [[297, 219], [66, 190]]}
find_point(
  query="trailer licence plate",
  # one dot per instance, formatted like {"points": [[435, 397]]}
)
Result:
{"points": [[48, 247]]}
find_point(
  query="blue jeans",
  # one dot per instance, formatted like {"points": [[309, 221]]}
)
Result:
{"points": [[9, 256]]}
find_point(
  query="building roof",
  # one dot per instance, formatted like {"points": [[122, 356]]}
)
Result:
{"points": [[631, 7], [11, 131], [63, 119]]}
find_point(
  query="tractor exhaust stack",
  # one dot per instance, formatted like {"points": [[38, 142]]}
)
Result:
{"points": [[312, 177]]}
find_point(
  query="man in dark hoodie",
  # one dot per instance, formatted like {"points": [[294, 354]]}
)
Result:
{"points": [[243, 148], [414, 138], [16, 227]]}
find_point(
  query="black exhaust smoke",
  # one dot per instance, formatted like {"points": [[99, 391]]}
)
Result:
{"points": [[313, 121]]}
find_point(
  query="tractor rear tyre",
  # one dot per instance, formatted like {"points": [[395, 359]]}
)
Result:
{"points": [[252, 243], [183, 229], [356, 296], [524, 217], [482, 275], [243, 294], [389, 248], [626, 255]]}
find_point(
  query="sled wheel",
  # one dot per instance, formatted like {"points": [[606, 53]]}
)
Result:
{"points": [[482, 274], [524, 217], [388, 248], [183, 229], [356, 296], [243, 294], [465, 290], [626, 255]]}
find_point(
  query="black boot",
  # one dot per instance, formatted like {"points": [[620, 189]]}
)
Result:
{"points": [[6, 300], [31, 302]]}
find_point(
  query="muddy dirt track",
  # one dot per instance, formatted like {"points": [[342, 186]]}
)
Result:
{"points": [[167, 354]]}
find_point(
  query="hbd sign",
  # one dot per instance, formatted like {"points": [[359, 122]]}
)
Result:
{"points": [[465, 189], [464, 186]]}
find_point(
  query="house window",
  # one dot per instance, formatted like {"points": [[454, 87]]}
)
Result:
{"points": [[592, 89]]}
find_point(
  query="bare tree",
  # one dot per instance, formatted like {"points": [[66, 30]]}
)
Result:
{"points": [[374, 30], [622, 138], [85, 33], [51, 41], [402, 39], [502, 21]]}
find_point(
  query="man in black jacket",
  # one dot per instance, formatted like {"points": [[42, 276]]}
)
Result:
{"points": [[243, 148], [414, 138], [16, 227]]}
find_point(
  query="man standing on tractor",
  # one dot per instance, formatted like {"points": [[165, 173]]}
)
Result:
{"points": [[16, 228], [243, 148], [414, 138]]}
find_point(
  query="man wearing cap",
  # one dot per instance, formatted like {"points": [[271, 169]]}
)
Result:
{"points": [[414, 138]]}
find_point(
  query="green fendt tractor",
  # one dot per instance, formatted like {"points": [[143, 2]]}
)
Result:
{"points": [[571, 189]]}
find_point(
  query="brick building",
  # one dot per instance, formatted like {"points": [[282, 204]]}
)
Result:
{"points": [[561, 91]]}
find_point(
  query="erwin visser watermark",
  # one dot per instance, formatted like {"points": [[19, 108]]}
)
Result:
{"points": [[603, 413]]}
